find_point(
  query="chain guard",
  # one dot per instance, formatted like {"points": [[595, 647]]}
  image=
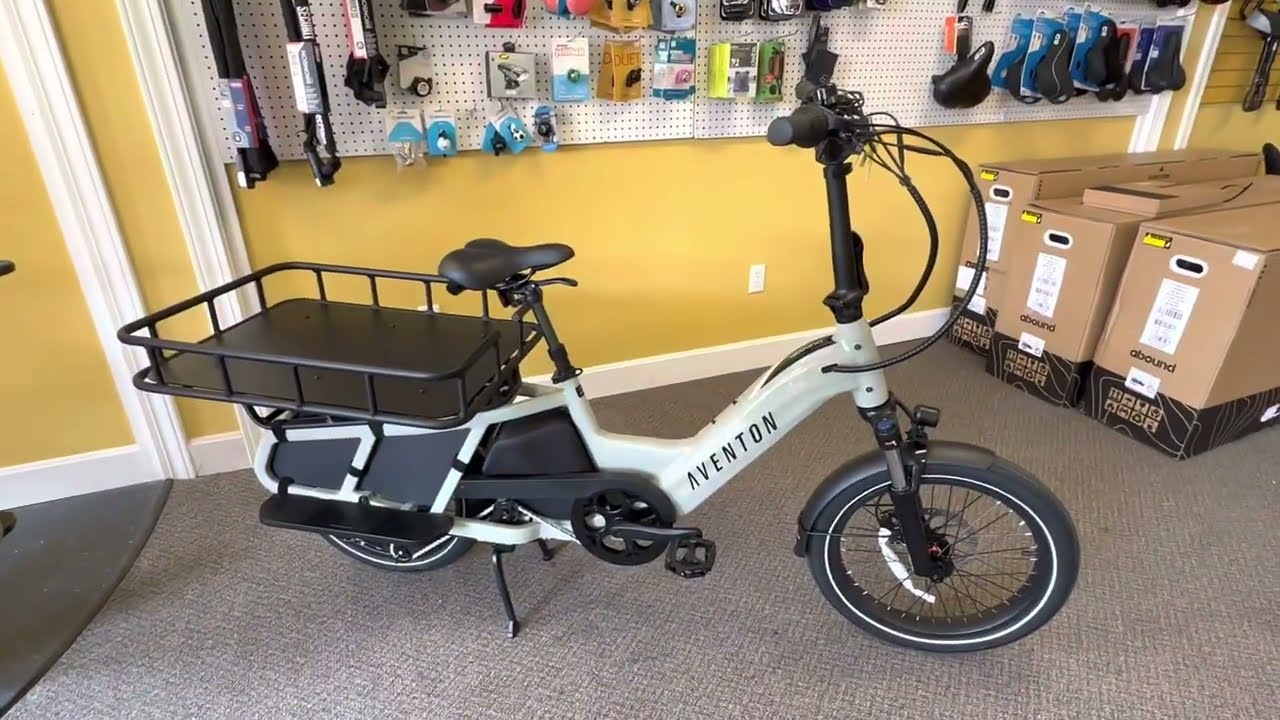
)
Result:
{"points": [[590, 515]]}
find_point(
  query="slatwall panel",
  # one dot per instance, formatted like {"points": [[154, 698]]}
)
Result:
{"points": [[1236, 61]]}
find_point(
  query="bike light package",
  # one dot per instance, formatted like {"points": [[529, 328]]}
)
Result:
{"points": [[621, 77], [673, 68], [511, 74], [732, 70], [571, 70], [773, 63]]}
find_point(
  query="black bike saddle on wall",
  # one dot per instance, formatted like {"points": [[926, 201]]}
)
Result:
{"points": [[1266, 22], [967, 83], [1116, 85], [1271, 159], [1166, 73], [1013, 82], [1053, 74], [1101, 58]]}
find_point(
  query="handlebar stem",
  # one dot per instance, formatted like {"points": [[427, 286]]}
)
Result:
{"points": [[845, 301]]}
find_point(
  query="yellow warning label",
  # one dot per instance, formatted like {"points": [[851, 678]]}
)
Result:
{"points": [[1164, 242], [989, 175], [1032, 217]]}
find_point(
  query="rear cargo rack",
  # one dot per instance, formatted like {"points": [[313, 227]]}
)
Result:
{"points": [[363, 361]]}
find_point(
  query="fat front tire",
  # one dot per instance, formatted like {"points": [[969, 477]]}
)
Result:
{"points": [[951, 615]]}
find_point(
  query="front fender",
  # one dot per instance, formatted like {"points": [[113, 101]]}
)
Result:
{"points": [[871, 463]]}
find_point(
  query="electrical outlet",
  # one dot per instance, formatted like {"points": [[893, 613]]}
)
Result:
{"points": [[755, 279]]}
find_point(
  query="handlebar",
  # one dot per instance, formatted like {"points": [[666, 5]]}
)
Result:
{"points": [[807, 126], [6, 267]]}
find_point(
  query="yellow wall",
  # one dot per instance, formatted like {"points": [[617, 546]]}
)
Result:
{"points": [[98, 57], [667, 272], [1230, 127], [56, 393], [1220, 121]]}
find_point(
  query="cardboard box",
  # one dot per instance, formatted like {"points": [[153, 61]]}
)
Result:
{"points": [[1008, 186], [1188, 360], [1065, 266], [973, 329], [1161, 197]]}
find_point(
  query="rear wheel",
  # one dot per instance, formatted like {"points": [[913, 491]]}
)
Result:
{"points": [[1008, 552], [402, 557]]}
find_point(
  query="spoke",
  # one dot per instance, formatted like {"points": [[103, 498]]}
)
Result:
{"points": [[1007, 513], [984, 579], [955, 556], [995, 505], [960, 521], [960, 590], [896, 589], [942, 605], [897, 586], [950, 489], [919, 597], [973, 588]]}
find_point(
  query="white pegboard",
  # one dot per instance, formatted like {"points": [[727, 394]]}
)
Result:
{"points": [[890, 54], [457, 50]]}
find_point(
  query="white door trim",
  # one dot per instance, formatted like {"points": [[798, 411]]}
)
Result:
{"points": [[197, 179], [45, 95], [1200, 80]]}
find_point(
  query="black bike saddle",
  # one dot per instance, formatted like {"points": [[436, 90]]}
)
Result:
{"points": [[1266, 22], [1102, 56], [485, 262], [1053, 74], [967, 83], [1116, 85], [1166, 73], [1013, 82], [1271, 159]]}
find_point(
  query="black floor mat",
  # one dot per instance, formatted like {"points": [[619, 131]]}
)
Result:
{"points": [[57, 569]]}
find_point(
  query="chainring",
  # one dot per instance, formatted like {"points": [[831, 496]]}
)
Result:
{"points": [[590, 515]]}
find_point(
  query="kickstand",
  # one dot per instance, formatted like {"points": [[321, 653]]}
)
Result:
{"points": [[513, 623], [548, 552]]}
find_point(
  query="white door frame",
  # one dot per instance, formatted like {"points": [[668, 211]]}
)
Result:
{"points": [[33, 61]]}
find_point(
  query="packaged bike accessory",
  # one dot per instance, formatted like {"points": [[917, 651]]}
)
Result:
{"points": [[505, 132], [674, 68], [254, 157], [1164, 60], [966, 84], [957, 39], [498, 13], [1053, 72], [511, 74], [773, 63], [674, 15], [441, 134], [620, 74], [436, 8], [544, 124], [1094, 36], [570, 70], [1015, 50], [780, 10], [568, 8], [621, 16], [406, 137], [737, 10], [366, 68], [732, 70], [309, 91], [1041, 35], [413, 68], [1141, 53]]}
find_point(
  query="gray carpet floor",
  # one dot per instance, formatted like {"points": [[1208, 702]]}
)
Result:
{"points": [[1176, 615]]}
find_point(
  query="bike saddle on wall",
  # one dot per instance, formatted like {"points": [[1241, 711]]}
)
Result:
{"points": [[1102, 56], [1166, 72], [1013, 82], [1116, 85], [967, 83], [1271, 159], [1053, 74], [1266, 22]]}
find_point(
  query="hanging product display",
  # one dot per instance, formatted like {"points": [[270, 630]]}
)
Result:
{"points": [[773, 63], [544, 124], [674, 68], [435, 8], [673, 16], [737, 10], [621, 16], [568, 8], [498, 13], [413, 68], [406, 137], [442, 134], [511, 74], [366, 68], [310, 95], [780, 10], [732, 70], [254, 157], [506, 132], [571, 70], [620, 73]]}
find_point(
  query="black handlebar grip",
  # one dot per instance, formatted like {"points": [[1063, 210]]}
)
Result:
{"points": [[806, 127], [6, 267]]}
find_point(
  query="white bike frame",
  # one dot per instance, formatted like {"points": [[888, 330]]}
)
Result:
{"points": [[689, 471]]}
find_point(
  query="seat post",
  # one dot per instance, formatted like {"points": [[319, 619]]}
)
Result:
{"points": [[565, 369]]}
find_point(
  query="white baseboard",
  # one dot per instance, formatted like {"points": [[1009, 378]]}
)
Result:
{"points": [[213, 454], [73, 475], [224, 453], [659, 370]]}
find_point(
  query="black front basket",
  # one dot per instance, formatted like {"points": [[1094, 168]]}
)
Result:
{"points": [[363, 361]]}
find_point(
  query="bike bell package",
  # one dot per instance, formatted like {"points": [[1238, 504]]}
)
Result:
{"points": [[506, 133], [1043, 29], [1016, 47], [1007, 187], [441, 134], [674, 68], [621, 77], [511, 74], [571, 70], [672, 16], [1065, 262], [1187, 361], [732, 70]]}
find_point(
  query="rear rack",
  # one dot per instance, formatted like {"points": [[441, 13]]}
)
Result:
{"points": [[349, 360]]}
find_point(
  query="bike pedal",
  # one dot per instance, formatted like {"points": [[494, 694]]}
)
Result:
{"points": [[691, 557]]}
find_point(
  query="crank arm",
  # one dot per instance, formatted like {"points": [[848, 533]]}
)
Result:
{"points": [[653, 534]]}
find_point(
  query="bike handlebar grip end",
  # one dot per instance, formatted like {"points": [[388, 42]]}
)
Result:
{"points": [[781, 132], [6, 267], [806, 127]]}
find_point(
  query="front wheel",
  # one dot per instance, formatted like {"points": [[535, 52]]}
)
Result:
{"points": [[1008, 555]]}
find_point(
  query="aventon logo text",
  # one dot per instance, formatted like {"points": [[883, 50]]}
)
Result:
{"points": [[728, 453]]}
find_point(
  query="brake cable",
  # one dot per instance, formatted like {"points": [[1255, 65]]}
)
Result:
{"points": [[309, 92], [980, 266], [254, 157], [366, 68]]}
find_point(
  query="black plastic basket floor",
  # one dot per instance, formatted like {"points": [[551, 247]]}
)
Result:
{"points": [[360, 361]]}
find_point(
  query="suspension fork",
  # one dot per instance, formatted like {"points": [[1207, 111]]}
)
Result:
{"points": [[904, 459]]}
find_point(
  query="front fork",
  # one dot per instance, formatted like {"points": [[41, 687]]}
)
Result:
{"points": [[905, 458]]}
